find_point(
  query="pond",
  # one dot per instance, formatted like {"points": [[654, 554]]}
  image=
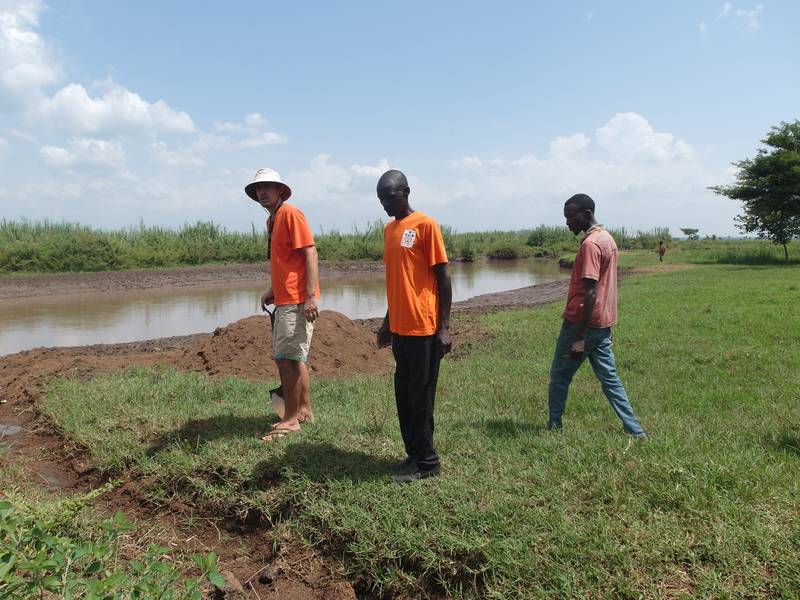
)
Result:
{"points": [[124, 317]]}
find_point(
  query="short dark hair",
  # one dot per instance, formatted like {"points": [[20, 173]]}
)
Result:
{"points": [[582, 201], [393, 178]]}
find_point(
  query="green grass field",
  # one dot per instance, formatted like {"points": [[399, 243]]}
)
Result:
{"points": [[707, 507]]}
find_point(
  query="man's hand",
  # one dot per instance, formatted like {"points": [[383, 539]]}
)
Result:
{"points": [[310, 309], [267, 298], [444, 341], [384, 335], [577, 348]]}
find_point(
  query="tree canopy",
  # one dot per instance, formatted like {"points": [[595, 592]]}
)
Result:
{"points": [[690, 232], [768, 185]]}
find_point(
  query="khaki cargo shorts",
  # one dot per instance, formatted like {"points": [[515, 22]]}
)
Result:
{"points": [[291, 334]]}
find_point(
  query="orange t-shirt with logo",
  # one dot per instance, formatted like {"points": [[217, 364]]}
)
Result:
{"points": [[411, 248], [290, 233], [596, 259]]}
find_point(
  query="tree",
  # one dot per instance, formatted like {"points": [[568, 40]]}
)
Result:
{"points": [[769, 187], [691, 234]]}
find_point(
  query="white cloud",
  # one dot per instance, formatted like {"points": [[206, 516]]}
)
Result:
{"points": [[21, 135], [3, 148], [703, 27], [749, 16], [249, 134], [118, 109], [255, 120], [85, 152], [227, 126], [265, 138], [467, 162], [56, 157], [181, 158], [253, 123], [628, 136], [370, 170], [27, 64], [569, 145], [322, 178]]}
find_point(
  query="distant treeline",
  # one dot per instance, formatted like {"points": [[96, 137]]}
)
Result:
{"points": [[46, 247]]}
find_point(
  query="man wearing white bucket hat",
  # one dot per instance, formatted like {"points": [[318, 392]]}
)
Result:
{"points": [[294, 290]]}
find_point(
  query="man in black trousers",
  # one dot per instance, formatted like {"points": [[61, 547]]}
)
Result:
{"points": [[419, 295]]}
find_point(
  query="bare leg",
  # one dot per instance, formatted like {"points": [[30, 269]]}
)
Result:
{"points": [[292, 388], [304, 412]]}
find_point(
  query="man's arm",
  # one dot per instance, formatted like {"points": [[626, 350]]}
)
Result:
{"points": [[578, 346], [445, 300], [384, 333], [312, 281]]}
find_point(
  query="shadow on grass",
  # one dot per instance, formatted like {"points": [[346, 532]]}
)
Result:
{"points": [[501, 427], [202, 431], [786, 441], [319, 461]]}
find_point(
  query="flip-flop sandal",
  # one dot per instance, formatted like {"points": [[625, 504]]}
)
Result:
{"points": [[273, 435]]}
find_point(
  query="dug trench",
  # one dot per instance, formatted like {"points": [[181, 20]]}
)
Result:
{"points": [[255, 565]]}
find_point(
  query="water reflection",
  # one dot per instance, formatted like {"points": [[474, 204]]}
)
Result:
{"points": [[93, 319]]}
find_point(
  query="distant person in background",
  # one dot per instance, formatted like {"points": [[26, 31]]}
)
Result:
{"points": [[419, 294], [294, 290], [587, 320], [662, 250]]}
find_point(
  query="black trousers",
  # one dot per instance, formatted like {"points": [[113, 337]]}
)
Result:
{"points": [[415, 378]]}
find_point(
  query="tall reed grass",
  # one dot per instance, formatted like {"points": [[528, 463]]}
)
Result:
{"points": [[50, 247], [739, 252]]}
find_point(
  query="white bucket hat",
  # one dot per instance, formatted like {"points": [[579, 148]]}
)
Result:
{"points": [[267, 176]]}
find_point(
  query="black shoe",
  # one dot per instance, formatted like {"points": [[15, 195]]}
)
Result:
{"points": [[416, 474], [403, 465]]}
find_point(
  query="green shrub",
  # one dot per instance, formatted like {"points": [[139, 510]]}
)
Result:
{"points": [[466, 252], [506, 249], [565, 261], [546, 236]]}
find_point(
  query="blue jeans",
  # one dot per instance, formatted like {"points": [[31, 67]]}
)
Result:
{"points": [[598, 351]]}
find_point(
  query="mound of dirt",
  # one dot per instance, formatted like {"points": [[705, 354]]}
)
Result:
{"points": [[339, 347]]}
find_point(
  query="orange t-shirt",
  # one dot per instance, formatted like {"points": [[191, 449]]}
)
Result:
{"points": [[411, 247], [290, 233], [596, 259]]}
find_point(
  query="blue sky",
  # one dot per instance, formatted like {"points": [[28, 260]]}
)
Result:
{"points": [[116, 113]]}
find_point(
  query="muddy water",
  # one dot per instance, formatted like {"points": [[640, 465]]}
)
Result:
{"points": [[124, 317]]}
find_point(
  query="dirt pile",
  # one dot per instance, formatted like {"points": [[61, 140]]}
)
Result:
{"points": [[339, 347]]}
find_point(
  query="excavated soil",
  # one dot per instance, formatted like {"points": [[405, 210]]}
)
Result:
{"points": [[339, 347]]}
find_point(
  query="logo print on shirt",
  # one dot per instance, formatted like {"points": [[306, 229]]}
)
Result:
{"points": [[409, 235]]}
